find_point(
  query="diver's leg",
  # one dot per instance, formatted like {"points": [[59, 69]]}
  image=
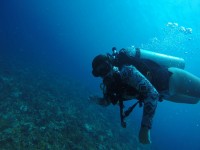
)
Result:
{"points": [[183, 99], [183, 83]]}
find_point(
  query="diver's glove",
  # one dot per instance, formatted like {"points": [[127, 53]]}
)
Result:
{"points": [[144, 135], [98, 100]]}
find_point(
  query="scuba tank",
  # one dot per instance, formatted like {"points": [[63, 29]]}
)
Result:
{"points": [[161, 59]]}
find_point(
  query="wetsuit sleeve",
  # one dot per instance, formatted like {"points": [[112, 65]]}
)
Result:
{"points": [[134, 78]]}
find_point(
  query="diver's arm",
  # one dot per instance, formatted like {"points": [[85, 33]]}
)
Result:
{"points": [[134, 78], [103, 101], [151, 97]]}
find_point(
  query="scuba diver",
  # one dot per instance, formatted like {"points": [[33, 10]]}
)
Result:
{"points": [[146, 76]]}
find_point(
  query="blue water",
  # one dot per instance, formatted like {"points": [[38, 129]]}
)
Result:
{"points": [[64, 36]]}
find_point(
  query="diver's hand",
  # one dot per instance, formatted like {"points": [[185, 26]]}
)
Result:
{"points": [[144, 135], [94, 98], [98, 100]]}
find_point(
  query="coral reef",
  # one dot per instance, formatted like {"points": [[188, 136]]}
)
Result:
{"points": [[42, 111]]}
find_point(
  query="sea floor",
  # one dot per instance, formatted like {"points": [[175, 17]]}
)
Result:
{"points": [[44, 111]]}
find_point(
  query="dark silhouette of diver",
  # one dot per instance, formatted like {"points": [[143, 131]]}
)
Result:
{"points": [[149, 77]]}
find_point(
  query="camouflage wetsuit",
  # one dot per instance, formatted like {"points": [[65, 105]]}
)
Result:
{"points": [[131, 77]]}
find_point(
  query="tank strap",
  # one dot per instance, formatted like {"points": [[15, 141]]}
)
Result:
{"points": [[124, 114], [137, 53]]}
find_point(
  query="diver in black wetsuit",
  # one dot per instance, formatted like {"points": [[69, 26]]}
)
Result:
{"points": [[126, 78]]}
